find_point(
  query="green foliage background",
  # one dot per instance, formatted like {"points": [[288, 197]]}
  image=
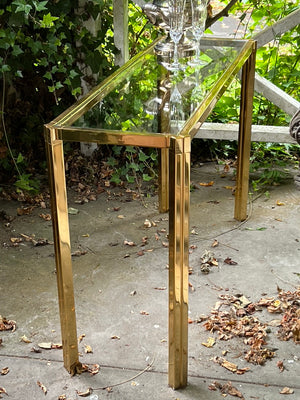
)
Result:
{"points": [[47, 54]]}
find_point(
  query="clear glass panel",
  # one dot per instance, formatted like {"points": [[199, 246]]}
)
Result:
{"points": [[153, 99]]}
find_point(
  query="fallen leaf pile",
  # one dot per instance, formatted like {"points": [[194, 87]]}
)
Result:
{"points": [[91, 176], [290, 323], [229, 325], [239, 322]]}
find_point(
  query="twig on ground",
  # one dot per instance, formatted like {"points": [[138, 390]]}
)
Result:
{"points": [[282, 280], [127, 380]]}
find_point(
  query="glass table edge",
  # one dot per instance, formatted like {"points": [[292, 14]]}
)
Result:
{"points": [[199, 116], [74, 112], [66, 132]]}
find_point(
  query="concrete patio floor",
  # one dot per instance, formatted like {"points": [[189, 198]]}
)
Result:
{"points": [[121, 294]]}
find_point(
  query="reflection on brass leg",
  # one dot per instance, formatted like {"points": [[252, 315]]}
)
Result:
{"points": [[59, 208], [244, 141], [163, 189], [178, 260]]}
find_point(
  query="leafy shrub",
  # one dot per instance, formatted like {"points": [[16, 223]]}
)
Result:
{"points": [[46, 54]]}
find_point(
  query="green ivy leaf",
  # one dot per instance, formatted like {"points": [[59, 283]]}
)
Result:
{"points": [[47, 75], [48, 21], [146, 178], [20, 158], [17, 50], [22, 6], [5, 68], [40, 6]]}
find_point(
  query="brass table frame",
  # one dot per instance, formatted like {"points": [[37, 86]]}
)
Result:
{"points": [[174, 195]]}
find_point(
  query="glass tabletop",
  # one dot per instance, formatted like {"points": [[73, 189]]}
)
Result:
{"points": [[145, 96]]}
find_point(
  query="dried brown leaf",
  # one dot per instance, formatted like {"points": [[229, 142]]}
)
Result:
{"points": [[92, 369], [3, 391], [4, 371], [86, 393], [229, 365], [25, 339], [24, 210], [225, 389], [206, 184], [46, 217], [15, 240], [80, 338], [57, 346], [286, 390], [88, 349], [296, 331], [147, 223], [50, 346], [229, 261], [45, 346], [7, 325], [280, 365], [210, 342], [215, 243], [43, 387], [129, 243], [79, 253]]}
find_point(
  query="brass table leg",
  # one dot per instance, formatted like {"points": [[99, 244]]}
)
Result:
{"points": [[163, 189], [60, 222], [244, 140], [179, 181]]}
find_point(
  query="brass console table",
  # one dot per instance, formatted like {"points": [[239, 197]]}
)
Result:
{"points": [[143, 104]]}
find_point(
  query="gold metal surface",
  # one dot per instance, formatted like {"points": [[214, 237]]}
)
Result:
{"points": [[163, 181], [244, 140], [60, 222], [105, 136], [179, 178]]}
